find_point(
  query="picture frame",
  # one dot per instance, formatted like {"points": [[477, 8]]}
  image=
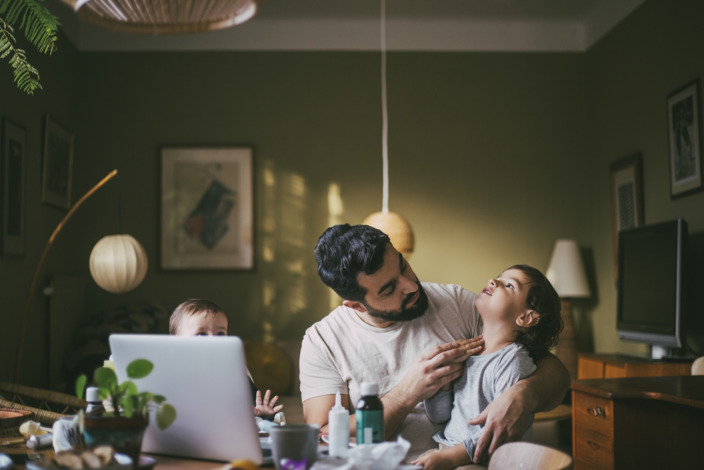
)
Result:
{"points": [[627, 210], [57, 165], [207, 208], [14, 156], [684, 137]]}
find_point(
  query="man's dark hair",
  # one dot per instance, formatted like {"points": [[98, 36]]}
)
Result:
{"points": [[542, 298], [344, 251]]}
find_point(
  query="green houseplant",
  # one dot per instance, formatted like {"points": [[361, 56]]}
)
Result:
{"points": [[123, 425]]}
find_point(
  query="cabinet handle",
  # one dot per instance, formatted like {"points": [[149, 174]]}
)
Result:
{"points": [[594, 445], [597, 411]]}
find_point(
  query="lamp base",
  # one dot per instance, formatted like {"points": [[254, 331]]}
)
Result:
{"points": [[566, 350]]}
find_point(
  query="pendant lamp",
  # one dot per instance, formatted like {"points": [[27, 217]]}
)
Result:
{"points": [[164, 16], [394, 225]]}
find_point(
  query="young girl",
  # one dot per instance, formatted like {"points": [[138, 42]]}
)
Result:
{"points": [[196, 317], [520, 311]]}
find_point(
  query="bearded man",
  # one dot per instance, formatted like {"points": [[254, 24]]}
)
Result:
{"points": [[405, 336]]}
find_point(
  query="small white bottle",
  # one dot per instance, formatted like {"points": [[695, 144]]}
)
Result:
{"points": [[95, 406], [338, 429]]}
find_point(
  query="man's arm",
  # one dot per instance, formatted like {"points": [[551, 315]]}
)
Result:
{"points": [[437, 367], [506, 419]]}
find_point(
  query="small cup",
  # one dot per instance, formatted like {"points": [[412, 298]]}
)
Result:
{"points": [[294, 442]]}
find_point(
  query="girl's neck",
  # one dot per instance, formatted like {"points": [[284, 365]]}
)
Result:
{"points": [[497, 337]]}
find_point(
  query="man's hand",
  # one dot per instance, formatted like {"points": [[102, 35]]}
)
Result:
{"points": [[435, 368], [505, 420]]}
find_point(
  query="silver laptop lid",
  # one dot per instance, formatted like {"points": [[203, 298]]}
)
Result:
{"points": [[205, 379]]}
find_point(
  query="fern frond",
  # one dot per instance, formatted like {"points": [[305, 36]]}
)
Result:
{"points": [[39, 25], [24, 73]]}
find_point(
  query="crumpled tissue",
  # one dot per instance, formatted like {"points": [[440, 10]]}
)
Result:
{"points": [[67, 434], [382, 456]]}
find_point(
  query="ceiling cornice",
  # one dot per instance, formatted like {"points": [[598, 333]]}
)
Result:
{"points": [[299, 33]]}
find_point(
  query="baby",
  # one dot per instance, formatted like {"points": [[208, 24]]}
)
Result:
{"points": [[196, 317], [520, 312]]}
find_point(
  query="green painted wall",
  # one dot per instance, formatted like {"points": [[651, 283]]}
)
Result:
{"points": [[631, 72], [493, 156]]}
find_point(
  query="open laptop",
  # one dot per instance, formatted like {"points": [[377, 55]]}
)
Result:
{"points": [[205, 379]]}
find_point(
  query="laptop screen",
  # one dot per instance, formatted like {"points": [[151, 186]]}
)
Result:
{"points": [[205, 379]]}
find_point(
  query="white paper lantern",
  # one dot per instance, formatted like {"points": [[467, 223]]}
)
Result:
{"points": [[118, 263]]}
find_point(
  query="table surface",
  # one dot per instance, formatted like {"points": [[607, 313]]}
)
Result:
{"points": [[684, 390]]}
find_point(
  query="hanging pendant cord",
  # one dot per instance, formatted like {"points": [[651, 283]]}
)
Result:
{"points": [[384, 114]]}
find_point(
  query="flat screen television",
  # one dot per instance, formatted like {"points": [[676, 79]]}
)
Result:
{"points": [[651, 287]]}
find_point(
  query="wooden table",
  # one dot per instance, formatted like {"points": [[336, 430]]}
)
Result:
{"points": [[638, 423]]}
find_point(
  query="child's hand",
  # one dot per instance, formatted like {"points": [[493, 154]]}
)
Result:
{"points": [[433, 461], [266, 406], [471, 346]]}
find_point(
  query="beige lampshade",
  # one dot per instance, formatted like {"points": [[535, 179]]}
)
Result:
{"points": [[118, 263], [396, 227], [164, 16], [566, 270]]}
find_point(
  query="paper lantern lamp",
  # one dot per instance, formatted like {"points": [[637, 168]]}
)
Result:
{"points": [[118, 263]]}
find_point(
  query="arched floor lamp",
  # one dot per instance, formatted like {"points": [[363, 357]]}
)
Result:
{"points": [[118, 263]]}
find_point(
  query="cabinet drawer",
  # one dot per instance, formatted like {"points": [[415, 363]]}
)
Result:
{"points": [[594, 448], [593, 413]]}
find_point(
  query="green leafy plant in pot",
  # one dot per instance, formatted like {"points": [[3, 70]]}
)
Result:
{"points": [[123, 426]]}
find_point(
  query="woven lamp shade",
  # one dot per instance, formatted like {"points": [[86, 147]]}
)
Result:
{"points": [[118, 263], [396, 227], [164, 16]]}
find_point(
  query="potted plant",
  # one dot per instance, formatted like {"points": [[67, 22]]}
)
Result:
{"points": [[123, 425]]}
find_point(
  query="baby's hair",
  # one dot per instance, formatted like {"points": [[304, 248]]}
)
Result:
{"points": [[542, 298], [190, 308]]}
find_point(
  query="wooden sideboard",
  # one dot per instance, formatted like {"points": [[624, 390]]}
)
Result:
{"points": [[638, 422], [608, 366]]}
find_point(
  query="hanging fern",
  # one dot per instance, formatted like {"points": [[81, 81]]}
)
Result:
{"points": [[40, 28]]}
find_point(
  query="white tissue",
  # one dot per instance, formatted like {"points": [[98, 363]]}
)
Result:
{"points": [[382, 456]]}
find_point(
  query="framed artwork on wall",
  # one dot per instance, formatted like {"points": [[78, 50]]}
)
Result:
{"points": [[207, 208], [684, 140], [14, 155], [57, 165], [626, 197]]}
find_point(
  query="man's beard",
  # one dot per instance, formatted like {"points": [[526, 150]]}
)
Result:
{"points": [[405, 314]]}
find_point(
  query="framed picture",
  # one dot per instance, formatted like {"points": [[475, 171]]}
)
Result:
{"points": [[14, 154], [626, 196], [207, 208], [684, 138], [57, 165]]}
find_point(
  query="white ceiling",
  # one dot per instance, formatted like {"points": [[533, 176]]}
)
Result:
{"points": [[411, 25]]}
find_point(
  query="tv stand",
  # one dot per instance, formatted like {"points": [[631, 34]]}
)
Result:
{"points": [[606, 366]]}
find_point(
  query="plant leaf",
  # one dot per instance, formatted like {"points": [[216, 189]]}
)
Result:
{"points": [[139, 368], [105, 378], [81, 385], [165, 415]]}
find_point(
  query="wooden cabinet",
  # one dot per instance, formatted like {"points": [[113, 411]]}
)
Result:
{"points": [[608, 366], [637, 423]]}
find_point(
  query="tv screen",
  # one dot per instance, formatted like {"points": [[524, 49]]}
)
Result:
{"points": [[651, 284]]}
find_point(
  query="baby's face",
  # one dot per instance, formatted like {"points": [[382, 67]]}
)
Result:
{"points": [[204, 324]]}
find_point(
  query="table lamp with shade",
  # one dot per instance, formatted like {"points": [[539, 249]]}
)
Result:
{"points": [[568, 277]]}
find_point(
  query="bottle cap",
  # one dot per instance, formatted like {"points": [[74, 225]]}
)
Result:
{"points": [[92, 394], [369, 388], [338, 402]]}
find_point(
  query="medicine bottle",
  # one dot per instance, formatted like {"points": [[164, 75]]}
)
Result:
{"points": [[338, 429], [369, 415], [95, 406]]}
